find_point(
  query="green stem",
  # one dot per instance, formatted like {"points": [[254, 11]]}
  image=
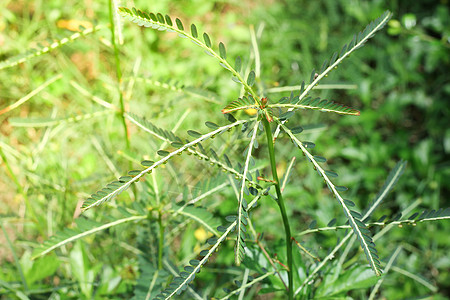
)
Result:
{"points": [[119, 86], [161, 240], [118, 73], [280, 202]]}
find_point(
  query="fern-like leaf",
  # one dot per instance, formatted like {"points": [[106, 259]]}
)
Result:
{"points": [[84, 228], [180, 283], [170, 137], [15, 60], [414, 219], [344, 240], [116, 187], [318, 104], [388, 185], [242, 215], [160, 23], [240, 104], [176, 87], [47, 122], [359, 228], [357, 42]]}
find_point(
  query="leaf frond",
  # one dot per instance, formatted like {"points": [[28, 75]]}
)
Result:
{"points": [[414, 219], [388, 185], [359, 228], [84, 228], [357, 42], [15, 60], [242, 215], [240, 104], [150, 20], [318, 104], [180, 283], [47, 122], [116, 187], [170, 137], [177, 87]]}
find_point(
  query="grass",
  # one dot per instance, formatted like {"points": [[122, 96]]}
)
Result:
{"points": [[46, 172]]}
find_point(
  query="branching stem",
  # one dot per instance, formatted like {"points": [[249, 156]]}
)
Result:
{"points": [[287, 228]]}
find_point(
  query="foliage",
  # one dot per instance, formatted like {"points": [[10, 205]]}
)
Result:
{"points": [[191, 178]]}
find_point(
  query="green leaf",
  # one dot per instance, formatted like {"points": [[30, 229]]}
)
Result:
{"points": [[235, 79], [181, 283], [147, 163], [318, 104], [302, 87], [388, 185], [354, 218], [163, 153], [341, 188], [309, 145], [160, 18], [207, 40], [194, 31], [84, 228], [240, 104], [177, 144], [318, 158], [238, 64], [134, 172], [41, 268], [324, 66], [222, 51], [333, 59], [313, 74], [349, 203], [331, 173], [224, 66], [286, 115], [251, 78], [284, 100], [31, 53], [168, 20], [179, 24], [211, 125], [332, 222], [194, 133]]}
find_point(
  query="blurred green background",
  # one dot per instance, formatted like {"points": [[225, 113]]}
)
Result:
{"points": [[401, 84]]}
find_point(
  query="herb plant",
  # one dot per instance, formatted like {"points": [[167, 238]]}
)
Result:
{"points": [[259, 127]]}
